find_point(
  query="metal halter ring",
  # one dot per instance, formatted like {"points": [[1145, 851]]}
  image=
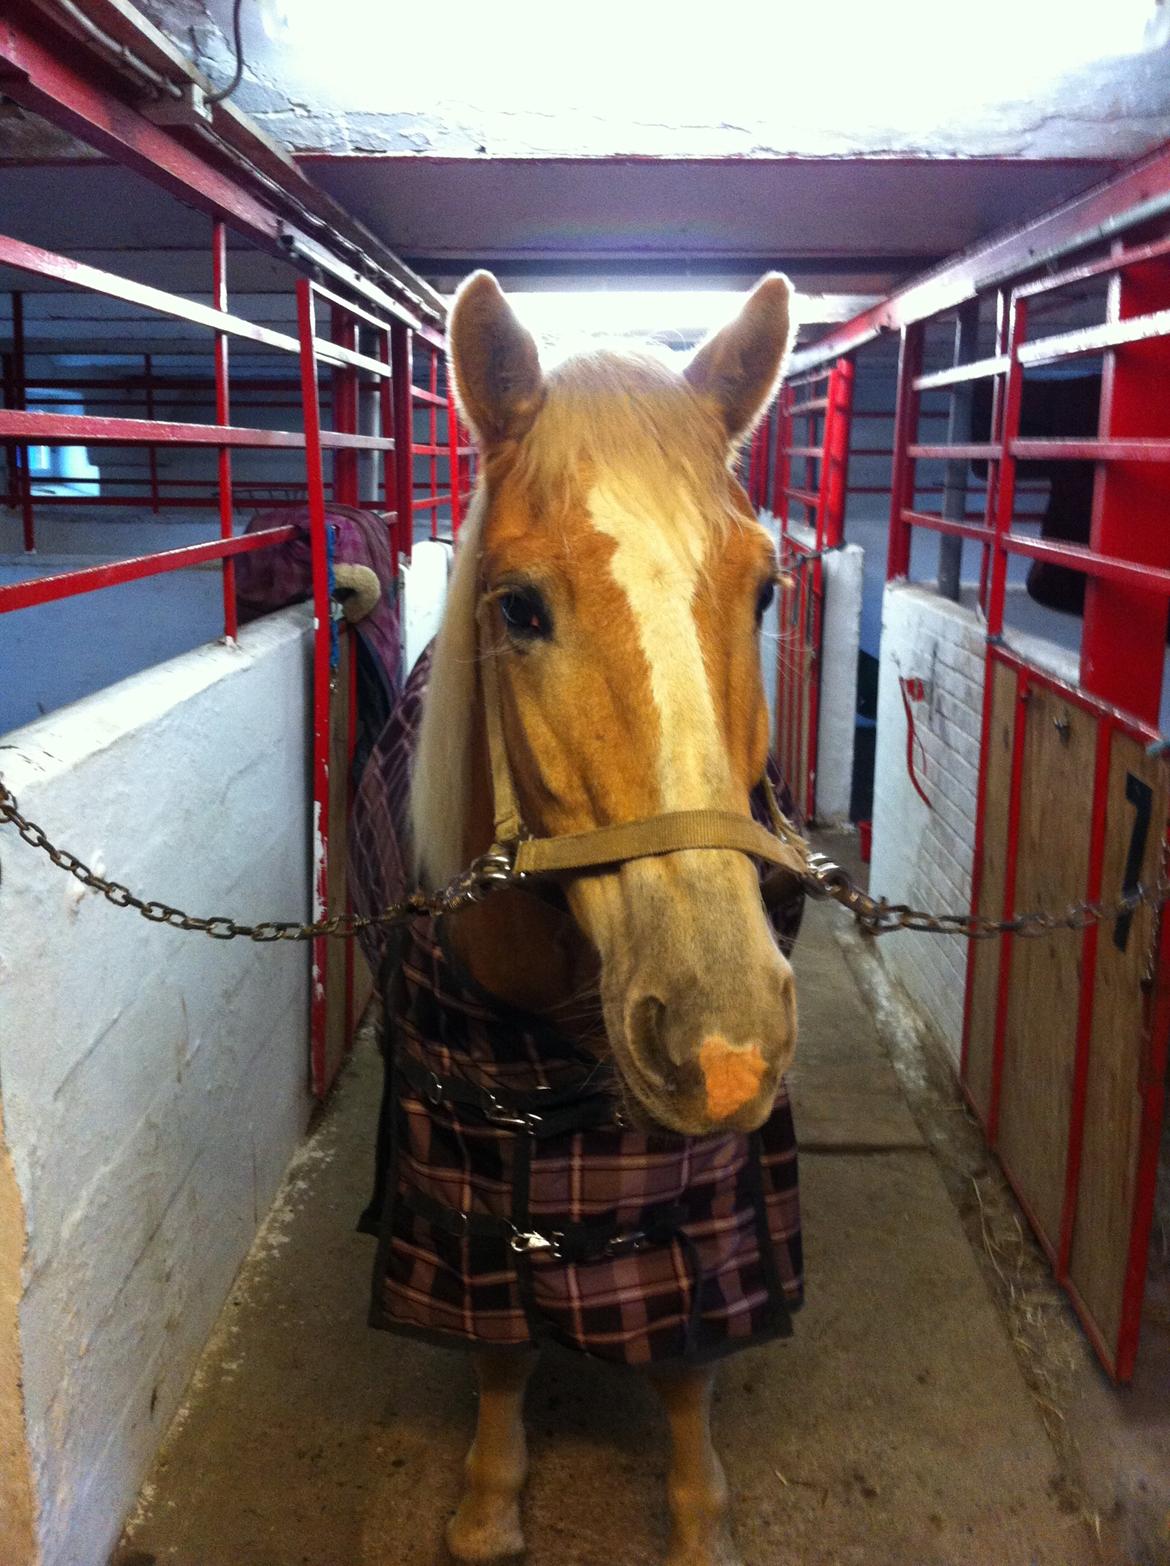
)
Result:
{"points": [[824, 878], [495, 868]]}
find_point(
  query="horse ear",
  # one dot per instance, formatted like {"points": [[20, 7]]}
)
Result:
{"points": [[494, 361], [737, 369]]}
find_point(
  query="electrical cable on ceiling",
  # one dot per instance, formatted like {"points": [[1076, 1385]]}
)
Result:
{"points": [[237, 39], [134, 63]]}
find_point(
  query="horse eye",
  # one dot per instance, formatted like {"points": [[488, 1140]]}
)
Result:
{"points": [[764, 601], [525, 614]]}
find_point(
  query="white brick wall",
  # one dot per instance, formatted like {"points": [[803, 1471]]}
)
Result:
{"points": [[153, 1082], [924, 855]]}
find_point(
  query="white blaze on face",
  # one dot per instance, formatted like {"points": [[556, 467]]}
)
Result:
{"points": [[658, 568]]}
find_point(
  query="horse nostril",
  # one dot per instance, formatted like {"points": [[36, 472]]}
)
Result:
{"points": [[648, 1033]]}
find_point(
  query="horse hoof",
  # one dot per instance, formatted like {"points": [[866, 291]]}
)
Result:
{"points": [[720, 1551], [479, 1534]]}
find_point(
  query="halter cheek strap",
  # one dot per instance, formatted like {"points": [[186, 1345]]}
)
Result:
{"points": [[670, 833]]}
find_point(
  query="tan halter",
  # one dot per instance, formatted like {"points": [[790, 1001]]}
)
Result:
{"points": [[669, 833]]}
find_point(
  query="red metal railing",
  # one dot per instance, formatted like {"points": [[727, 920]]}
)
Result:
{"points": [[800, 458], [360, 383], [376, 306], [1058, 264]]}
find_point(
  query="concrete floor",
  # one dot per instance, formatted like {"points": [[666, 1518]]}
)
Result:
{"points": [[895, 1429]]}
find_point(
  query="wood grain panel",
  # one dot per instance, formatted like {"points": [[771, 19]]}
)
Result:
{"points": [[1113, 1104], [985, 954], [1040, 1040]]}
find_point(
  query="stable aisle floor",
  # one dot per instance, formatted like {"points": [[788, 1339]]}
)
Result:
{"points": [[895, 1429]]}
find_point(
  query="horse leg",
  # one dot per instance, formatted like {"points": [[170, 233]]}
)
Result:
{"points": [[696, 1487], [486, 1526]]}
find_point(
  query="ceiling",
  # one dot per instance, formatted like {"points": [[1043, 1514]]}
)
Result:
{"points": [[836, 225], [571, 162]]}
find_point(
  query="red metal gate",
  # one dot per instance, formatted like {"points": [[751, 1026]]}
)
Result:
{"points": [[810, 470], [1065, 1039], [372, 303]]}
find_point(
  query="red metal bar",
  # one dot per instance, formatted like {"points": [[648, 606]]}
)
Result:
{"points": [[1118, 257], [322, 674], [806, 378], [79, 274], [20, 389], [1096, 567], [23, 257], [1101, 450], [433, 434], [351, 710], [1003, 322], [386, 406], [1096, 339], [69, 584], [783, 459], [812, 632], [168, 383], [971, 451], [189, 502], [1122, 649], [1008, 908], [400, 362], [957, 374], [1002, 477], [152, 451], [836, 453], [453, 458], [356, 312], [939, 524], [905, 427], [223, 418], [1040, 679], [78, 429], [345, 407], [1121, 203]]}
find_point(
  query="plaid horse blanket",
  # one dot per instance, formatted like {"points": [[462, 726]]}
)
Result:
{"points": [[511, 1202]]}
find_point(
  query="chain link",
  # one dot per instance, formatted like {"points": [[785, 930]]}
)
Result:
{"points": [[494, 870], [470, 886], [878, 916]]}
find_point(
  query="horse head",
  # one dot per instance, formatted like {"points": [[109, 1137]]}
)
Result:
{"points": [[613, 570]]}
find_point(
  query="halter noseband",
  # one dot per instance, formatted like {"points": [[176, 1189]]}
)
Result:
{"points": [[669, 833]]}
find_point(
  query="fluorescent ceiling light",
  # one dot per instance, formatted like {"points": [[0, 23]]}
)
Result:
{"points": [[565, 317]]}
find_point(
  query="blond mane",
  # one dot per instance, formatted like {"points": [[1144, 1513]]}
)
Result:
{"points": [[628, 422]]}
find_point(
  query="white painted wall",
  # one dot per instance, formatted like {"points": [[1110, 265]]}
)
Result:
{"points": [[837, 722], [843, 571], [153, 1082], [924, 855], [424, 595]]}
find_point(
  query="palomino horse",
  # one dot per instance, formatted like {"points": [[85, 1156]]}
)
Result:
{"points": [[601, 646]]}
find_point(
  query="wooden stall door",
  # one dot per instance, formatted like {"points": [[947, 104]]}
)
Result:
{"points": [[1063, 1062]]}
